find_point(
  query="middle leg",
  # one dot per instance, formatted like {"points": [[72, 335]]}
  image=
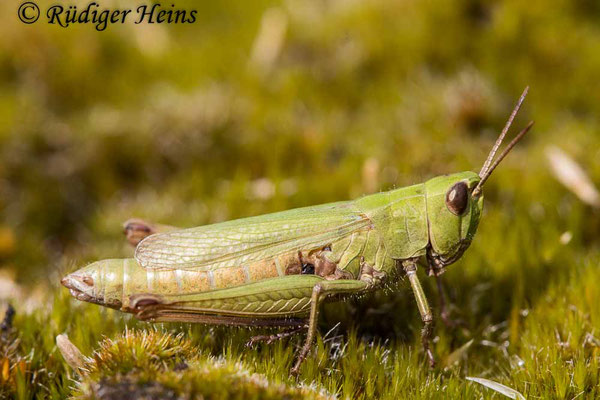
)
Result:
{"points": [[320, 291], [268, 339]]}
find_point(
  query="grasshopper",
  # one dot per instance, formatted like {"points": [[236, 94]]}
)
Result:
{"points": [[277, 269]]}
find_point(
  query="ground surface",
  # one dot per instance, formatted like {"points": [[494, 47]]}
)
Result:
{"points": [[188, 125]]}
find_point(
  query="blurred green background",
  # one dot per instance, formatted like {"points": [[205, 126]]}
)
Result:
{"points": [[264, 106]]}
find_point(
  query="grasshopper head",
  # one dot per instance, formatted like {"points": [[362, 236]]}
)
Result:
{"points": [[100, 283], [455, 203], [453, 213]]}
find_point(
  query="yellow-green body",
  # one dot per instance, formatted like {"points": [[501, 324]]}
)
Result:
{"points": [[241, 268]]}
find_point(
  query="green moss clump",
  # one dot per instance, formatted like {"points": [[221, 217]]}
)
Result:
{"points": [[159, 365]]}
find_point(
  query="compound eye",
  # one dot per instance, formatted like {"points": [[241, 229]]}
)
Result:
{"points": [[457, 198]]}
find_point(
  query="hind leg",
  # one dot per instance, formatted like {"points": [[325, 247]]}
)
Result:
{"points": [[268, 339]]}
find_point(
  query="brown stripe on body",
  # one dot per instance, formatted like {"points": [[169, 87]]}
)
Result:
{"points": [[164, 281], [173, 281], [262, 270], [228, 277], [135, 280], [193, 281]]}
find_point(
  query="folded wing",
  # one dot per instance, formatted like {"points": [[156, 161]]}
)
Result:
{"points": [[242, 241]]}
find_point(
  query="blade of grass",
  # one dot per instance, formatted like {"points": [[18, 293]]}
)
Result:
{"points": [[458, 354], [497, 387]]}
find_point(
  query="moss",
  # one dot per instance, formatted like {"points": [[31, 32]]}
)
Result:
{"points": [[158, 365]]}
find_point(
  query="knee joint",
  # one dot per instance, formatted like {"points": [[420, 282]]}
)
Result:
{"points": [[427, 318]]}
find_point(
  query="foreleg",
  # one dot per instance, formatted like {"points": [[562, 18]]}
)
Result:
{"points": [[410, 267]]}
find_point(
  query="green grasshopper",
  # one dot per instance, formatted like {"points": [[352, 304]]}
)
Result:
{"points": [[277, 269]]}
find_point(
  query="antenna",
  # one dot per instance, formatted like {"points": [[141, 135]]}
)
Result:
{"points": [[491, 169], [490, 156], [488, 166]]}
